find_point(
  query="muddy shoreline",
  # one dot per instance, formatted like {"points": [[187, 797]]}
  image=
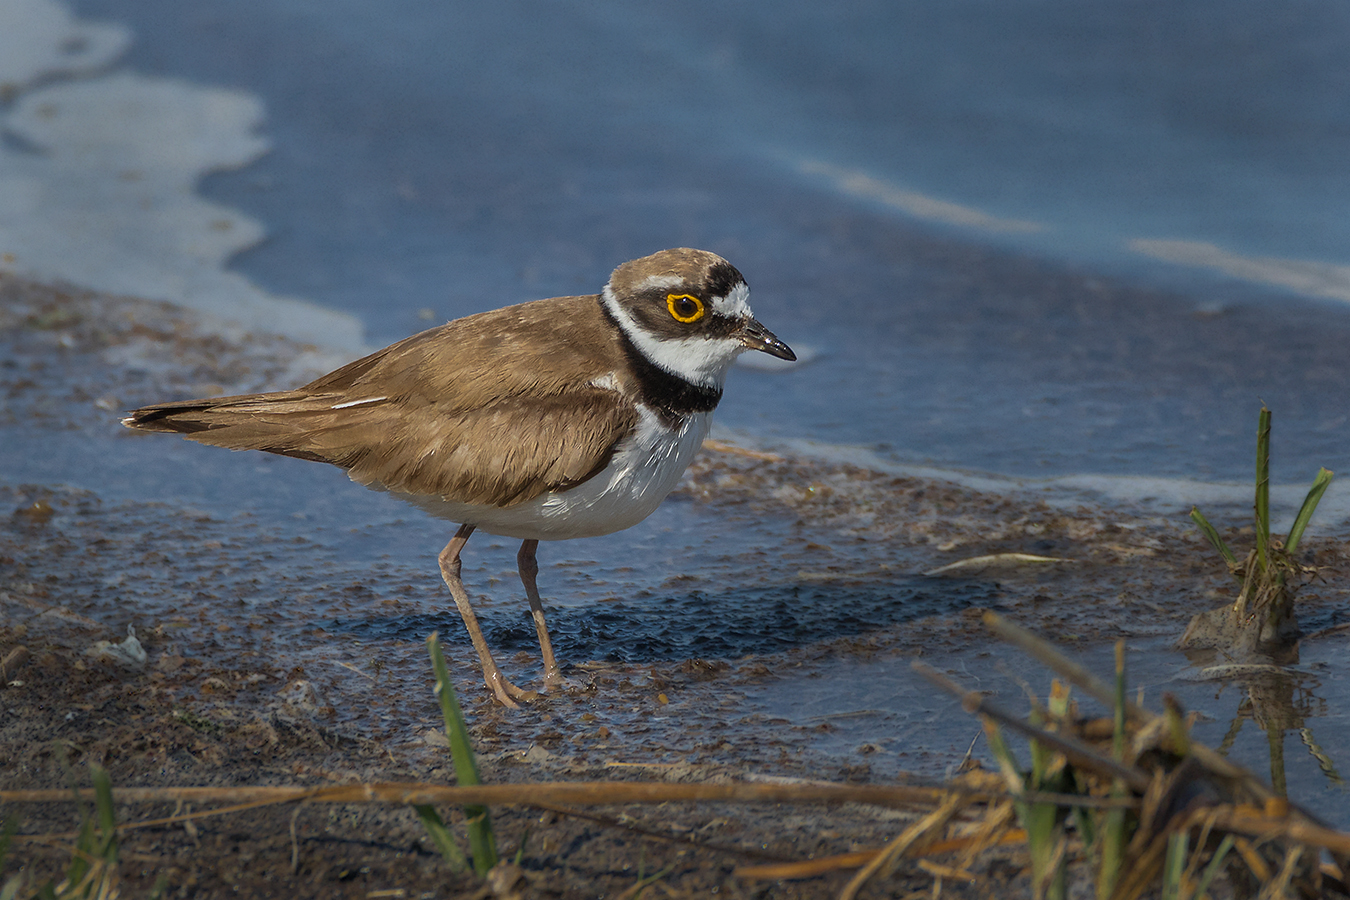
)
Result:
{"points": [[239, 688]]}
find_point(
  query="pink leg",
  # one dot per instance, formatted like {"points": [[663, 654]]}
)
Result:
{"points": [[529, 568], [505, 692]]}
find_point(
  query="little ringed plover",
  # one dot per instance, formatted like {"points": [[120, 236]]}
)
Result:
{"points": [[561, 418]]}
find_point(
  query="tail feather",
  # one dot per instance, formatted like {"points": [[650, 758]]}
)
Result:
{"points": [[290, 423]]}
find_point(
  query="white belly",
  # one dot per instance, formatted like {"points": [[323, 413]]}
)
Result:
{"points": [[642, 472]]}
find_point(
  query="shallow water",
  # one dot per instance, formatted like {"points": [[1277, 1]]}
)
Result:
{"points": [[880, 712]]}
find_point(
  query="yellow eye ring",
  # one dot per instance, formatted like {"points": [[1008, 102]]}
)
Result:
{"points": [[684, 308]]}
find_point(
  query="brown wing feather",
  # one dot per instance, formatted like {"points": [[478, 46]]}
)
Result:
{"points": [[488, 409], [504, 454]]}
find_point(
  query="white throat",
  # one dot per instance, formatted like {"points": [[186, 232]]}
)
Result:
{"points": [[698, 360]]}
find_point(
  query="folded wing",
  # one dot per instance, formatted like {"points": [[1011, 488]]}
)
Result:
{"points": [[505, 453]]}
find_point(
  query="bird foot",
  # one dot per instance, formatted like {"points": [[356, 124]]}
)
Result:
{"points": [[506, 693]]}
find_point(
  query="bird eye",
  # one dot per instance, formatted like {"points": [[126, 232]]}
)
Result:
{"points": [[684, 307]]}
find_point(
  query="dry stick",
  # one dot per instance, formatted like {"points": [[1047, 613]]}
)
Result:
{"points": [[806, 868], [185, 819], [583, 793], [995, 829], [532, 795], [665, 837], [545, 796], [973, 702], [1265, 828]]}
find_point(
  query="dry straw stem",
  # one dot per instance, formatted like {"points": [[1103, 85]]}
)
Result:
{"points": [[993, 827], [921, 832], [543, 794], [575, 793], [822, 864], [547, 795]]}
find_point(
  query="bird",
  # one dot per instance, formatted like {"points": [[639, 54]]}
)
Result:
{"points": [[548, 420]]}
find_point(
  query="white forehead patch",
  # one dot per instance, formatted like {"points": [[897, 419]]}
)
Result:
{"points": [[736, 304]]}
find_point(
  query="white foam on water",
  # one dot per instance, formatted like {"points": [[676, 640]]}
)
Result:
{"points": [[98, 180], [1308, 277], [914, 204], [1304, 276]]}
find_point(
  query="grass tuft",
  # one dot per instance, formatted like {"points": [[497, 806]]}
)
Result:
{"points": [[1263, 613]]}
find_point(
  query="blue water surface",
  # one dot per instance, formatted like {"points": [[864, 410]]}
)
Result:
{"points": [[456, 157]]}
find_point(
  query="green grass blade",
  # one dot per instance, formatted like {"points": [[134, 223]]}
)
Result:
{"points": [[1114, 833], [1048, 863], [1305, 512], [441, 837], [1042, 821], [1083, 818], [1114, 838], [1263, 490], [82, 860], [1212, 869], [461, 750], [1212, 534], [1041, 757], [94, 861], [482, 843], [520, 851], [1175, 865], [1003, 755], [107, 821]]}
